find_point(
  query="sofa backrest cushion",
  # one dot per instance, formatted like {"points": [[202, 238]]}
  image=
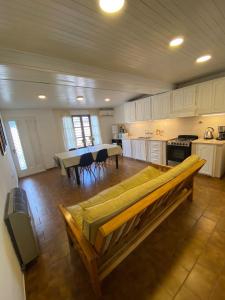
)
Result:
{"points": [[141, 177], [95, 216]]}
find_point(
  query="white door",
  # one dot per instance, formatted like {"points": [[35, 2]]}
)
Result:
{"points": [[126, 148], [177, 100], [161, 106], [189, 100], [130, 111], [206, 152], [143, 109], [204, 97], [219, 95], [25, 146]]}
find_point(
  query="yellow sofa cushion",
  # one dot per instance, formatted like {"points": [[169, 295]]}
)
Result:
{"points": [[141, 177], [77, 213], [95, 216]]}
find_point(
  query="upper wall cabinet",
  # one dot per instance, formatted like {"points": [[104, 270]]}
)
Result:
{"points": [[204, 97], [130, 112], [119, 114], [183, 102], [218, 95], [143, 109], [161, 106]]}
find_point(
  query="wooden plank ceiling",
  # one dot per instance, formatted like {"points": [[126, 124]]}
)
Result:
{"points": [[134, 41]]}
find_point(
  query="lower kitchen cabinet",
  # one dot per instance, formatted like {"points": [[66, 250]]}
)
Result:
{"points": [[214, 155], [151, 151], [206, 152], [138, 149], [156, 152], [126, 148]]}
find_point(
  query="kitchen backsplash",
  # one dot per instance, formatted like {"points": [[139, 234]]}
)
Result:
{"points": [[173, 127]]}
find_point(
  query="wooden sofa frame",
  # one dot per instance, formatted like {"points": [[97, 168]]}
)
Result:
{"points": [[117, 238]]}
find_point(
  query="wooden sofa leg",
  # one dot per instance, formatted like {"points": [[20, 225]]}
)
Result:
{"points": [[190, 197], [95, 282]]}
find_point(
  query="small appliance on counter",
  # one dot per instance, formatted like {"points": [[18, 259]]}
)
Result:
{"points": [[221, 133], [178, 149], [209, 133]]}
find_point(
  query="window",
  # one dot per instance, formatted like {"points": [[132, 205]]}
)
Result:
{"points": [[17, 144], [83, 132]]}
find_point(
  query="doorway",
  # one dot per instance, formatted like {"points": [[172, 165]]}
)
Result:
{"points": [[25, 145]]}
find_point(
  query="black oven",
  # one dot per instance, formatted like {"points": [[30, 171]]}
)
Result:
{"points": [[177, 153], [179, 148]]}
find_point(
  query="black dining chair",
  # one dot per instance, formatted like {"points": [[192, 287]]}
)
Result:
{"points": [[86, 161], [101, 158]]}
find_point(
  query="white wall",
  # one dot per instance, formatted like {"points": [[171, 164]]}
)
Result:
{"points": [[11, 278], [174, 127], [49, 130], [106, 123]]}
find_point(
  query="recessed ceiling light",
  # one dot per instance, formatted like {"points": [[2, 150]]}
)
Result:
{"points": [[80, 98], [42, 97], [107, 99], [203, 58], [111, 6], [176, 42]]}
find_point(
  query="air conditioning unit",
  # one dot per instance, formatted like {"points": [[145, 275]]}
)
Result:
{"points": [[106, 112]]}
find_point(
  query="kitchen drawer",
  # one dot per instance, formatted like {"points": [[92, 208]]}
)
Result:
{"points": [[156, 160], [155, 145]]}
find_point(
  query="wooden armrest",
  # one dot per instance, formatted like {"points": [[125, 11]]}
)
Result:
{"points": [[86, 248]]}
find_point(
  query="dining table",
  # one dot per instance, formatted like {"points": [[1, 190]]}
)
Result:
{"points": [[71, 159]]}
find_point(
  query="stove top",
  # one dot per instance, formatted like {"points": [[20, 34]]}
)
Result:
{"points": [[182, 140]]}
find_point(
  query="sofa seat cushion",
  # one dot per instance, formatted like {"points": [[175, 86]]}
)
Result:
{"points": [[95, 216], [141, 177], [77, 213]]}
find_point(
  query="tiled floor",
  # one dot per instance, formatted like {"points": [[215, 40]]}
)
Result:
{"points": [[184, 259]]}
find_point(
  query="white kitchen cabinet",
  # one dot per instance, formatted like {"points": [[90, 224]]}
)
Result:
{"points": [[130, 112], [204, 97], [183, 102], [214, 154], [218, 95], [138, 149], [119, 114], [143, 109], [161, 106], [126, 148], [154, 152], [207, 152]]}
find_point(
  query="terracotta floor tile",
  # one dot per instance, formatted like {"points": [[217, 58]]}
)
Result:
{"points": [[186, 294], [206, 224], [159, 268], [212, 258], [201, 281]]}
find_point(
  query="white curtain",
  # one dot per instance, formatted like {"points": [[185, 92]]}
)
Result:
{"points": [[68, 133], [95, 127]]}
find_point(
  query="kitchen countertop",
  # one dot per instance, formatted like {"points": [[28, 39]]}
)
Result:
{"points": [[211, 142], [154, 138]]}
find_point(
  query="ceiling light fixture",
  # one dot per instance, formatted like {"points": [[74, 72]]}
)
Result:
{"points": [[203, 58], [80, 98], [42, 97], [111, 6], [107, 99], [176, 42]]}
